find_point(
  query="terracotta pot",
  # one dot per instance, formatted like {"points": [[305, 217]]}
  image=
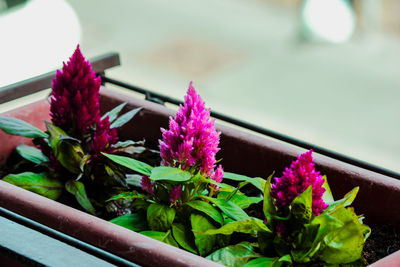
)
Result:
{"points": [[241, 152]]}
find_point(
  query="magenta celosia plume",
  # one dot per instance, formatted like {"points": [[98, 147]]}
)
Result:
{"points": [[192, 140], [296, 180], [175, 193], [75, 103], [147, 185]]}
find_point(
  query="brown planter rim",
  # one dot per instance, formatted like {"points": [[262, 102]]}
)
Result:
{"points": [[238, 145]]}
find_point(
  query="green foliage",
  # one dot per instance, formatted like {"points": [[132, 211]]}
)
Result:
{"points": [[172, 174], [130, 163], [257, 181], [39, 183], [67, 150], [113, 114], [160, 217], [78, 190], [240, 199], [229, 208], [32, 154], [124, 118], [250, 226], [207, 209], [184, 237], [200, 224], [134, 221], [19, 127], [165, 237], [235, 255]]}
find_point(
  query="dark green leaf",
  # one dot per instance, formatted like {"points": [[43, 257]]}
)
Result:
{"points": [[184, 237], [257, 181], [230, 209], [327, 197], [240, 199], [207, 208], [66, 150], [134, 222], [125, 118], [200, 224], [169, 174], [130, 163], [269, 208], [165, 237], [21, 128], [160, 236], [234, 256], [32, 154], [160, 217], [265, 262], [78, 190], [302, 206], [113, 114], [127, 195], [38, 183], [249, 226]]}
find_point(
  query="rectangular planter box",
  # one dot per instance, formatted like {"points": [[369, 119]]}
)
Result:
{"points": [[241, 152]]}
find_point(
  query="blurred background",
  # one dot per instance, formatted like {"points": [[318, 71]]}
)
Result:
{"points": [[324, 71]]}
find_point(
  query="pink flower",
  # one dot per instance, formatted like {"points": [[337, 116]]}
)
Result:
{"points": [[192, 140], [74, 100], [75, 107], [175, 193], [103, 137], [296, 180], [217, 176], [147, 185]]}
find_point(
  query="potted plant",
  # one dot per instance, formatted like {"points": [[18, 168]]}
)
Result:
{"points": [[241, 153]]}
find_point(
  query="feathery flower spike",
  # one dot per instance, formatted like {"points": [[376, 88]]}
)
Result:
{"points": [[295, 181], [192, 140]]}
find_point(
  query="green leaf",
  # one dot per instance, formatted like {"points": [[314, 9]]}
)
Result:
{"points": [[163, 173], [157, 235], [21, 128], [249, 226], [344, 245], [113, 114], [257, 181], [269, 208], [327, 197], [184, 237], [32, 154], [130, 163], [302, 206], [240, 199], [127, 195], [344, 202], [160, 217], [78, 189], [235, 255], [38, 183], [207, 209], [134, 221], [264, 262], [200, 224], [165, 237], [67, 150], [125, 118], [229, 208]]}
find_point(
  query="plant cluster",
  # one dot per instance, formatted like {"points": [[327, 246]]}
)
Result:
{"points": [[183, 201], [68, 154]]}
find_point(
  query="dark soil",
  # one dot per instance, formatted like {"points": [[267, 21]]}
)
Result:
{"points": [[384, 240]]}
